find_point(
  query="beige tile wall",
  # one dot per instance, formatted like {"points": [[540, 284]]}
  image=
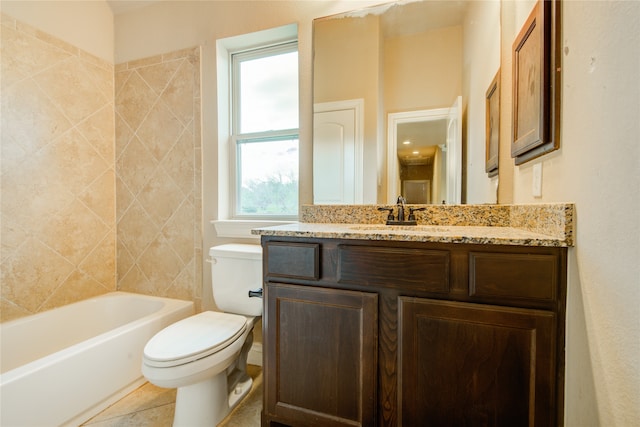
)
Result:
{"points": [[158, 184], [58, 227], [87, 161]]}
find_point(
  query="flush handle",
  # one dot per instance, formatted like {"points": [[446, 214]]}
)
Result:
{"points": [[257, 293]]}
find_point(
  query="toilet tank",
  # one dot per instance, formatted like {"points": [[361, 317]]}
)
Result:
{"points": [[236, 269]]}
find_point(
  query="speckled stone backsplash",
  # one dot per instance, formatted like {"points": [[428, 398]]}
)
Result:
{"points": [[550, 219], [553, 219]]}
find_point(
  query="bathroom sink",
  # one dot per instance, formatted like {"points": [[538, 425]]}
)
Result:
{"points": [[404, 228]]}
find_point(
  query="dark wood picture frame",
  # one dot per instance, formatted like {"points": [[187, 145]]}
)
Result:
{"points": [[536, 82], [492, 140]]}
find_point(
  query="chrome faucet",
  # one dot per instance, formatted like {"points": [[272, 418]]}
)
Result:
{"points": [[401, 207]]}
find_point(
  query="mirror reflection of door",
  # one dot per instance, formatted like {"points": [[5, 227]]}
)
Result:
{"points": [[417, 191], [426, 145], [420, 156], [454, 153], [337, 152]]}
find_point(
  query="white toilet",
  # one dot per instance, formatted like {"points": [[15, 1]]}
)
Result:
{"points": [[205, 356]]}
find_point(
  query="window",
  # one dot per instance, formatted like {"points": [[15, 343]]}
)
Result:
{"points": [[265, 132]]}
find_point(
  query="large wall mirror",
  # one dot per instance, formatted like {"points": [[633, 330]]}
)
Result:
{"points": [[386, 80]]}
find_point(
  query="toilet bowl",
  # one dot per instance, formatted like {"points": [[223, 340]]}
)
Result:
{"points": [[205, 356]]}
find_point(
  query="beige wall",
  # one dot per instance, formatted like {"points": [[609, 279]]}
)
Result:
{"points": [[347, 53], [158, 176], [87, 25], [512, 17], [58, 227], [423, 71], [597, 168], [481, 61]]}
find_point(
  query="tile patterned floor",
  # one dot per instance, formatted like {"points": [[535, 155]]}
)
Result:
{"points": [[151, 406]]}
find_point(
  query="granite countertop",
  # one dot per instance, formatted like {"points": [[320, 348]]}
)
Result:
{"points": [[524, 225], [420, 233]]}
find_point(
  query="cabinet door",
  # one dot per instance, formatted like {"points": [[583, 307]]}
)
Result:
{"points": [[475, 365], [320, 356]]}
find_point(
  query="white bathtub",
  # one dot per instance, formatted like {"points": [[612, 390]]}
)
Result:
{"points": [[65, 365]]}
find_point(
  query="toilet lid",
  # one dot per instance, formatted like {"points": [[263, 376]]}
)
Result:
{"points": [[193, 338]]}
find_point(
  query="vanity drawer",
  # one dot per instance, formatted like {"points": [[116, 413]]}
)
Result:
{"points": [[513, 276], [293, 260], [407, 268]]}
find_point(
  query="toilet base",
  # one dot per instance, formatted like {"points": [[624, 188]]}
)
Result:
{"points": [[238, 391], [202, 404], [206, 403]]}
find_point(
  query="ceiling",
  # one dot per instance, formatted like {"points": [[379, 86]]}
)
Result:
{"points": [[416, 15], [421, 16], [424, 138], [404, 17]]}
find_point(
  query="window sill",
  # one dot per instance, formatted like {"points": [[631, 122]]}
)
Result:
{"points": [[241, 229]]}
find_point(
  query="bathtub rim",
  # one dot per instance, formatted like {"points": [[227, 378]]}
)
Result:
{"points": [[19, 372]]}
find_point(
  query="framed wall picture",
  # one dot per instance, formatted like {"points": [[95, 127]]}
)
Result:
{"points": [[535, 80], [492, 140]]}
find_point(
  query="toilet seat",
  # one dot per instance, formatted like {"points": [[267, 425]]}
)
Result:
{"points": [[193, 338]]}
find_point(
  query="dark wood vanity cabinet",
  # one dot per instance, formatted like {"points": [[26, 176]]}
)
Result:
{"points": [[324, 369], [474, 365], [387, 333]]}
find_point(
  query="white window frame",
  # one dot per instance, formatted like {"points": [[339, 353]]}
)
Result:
{"points": [[236, 56]]}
